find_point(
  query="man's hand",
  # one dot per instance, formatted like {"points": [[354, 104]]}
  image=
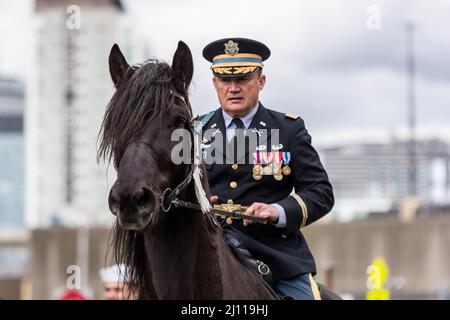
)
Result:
{"points": [[262, 210]]}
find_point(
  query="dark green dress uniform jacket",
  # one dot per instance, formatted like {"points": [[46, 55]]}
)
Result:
{"points": [[284, 249]]}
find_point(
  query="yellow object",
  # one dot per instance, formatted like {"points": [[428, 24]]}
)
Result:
{"points": [[234, 70], [377, 275], [303, 207], [224, 57], [314, 288], [234, 166], [291, 116], [378, 294], [384, 269], [233, 184], [230, 207]]}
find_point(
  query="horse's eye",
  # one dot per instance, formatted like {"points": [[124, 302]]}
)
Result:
{"points": [[178, 122]]}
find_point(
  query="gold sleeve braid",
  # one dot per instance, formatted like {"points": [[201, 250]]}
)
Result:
{"points": [[304, 208]]}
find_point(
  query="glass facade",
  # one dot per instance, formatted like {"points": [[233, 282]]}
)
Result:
{"points": [[11, 179]]}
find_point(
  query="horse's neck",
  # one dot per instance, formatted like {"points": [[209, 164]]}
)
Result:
{"points": [[183, 255], [189, 259]]}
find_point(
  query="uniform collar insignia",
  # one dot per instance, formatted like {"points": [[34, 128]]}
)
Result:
{"points": [[257, 131]]}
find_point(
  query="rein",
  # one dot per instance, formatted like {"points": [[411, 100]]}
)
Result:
{"points": [[169, 197], [219, 213]]}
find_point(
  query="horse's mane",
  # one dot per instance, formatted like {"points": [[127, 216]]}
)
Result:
{"points": [[143, 93]]}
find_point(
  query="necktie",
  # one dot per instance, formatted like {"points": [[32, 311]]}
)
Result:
{"points": [[238, 123], [238, 139]]}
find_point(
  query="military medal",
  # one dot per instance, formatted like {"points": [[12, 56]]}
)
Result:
{"points": [[277, 172], [257, 172], [257, 168], [286, 158], [257, 177], [277, 162], [267, 159], [286, 170]]}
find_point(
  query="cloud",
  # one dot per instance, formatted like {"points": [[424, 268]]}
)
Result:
{"points": [[325, 65]]}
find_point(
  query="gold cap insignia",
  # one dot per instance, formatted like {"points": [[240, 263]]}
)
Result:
{"points": [[231, 47]]}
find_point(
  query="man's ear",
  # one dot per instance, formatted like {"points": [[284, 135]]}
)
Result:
{"points": [[182, 67], [262, 81], [118, 65], [214, 80]]}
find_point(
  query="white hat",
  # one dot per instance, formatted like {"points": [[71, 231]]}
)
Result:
{"points": [[114, 274]]}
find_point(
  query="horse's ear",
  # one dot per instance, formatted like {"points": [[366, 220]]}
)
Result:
{"points": [[182, 67], [118, 65]]}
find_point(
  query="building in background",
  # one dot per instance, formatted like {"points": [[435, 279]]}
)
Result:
{"points": [[12, 151], [374, 177], [68, 93], [14, 256]]}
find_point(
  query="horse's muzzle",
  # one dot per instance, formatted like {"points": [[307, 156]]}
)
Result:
{"points": [[133, 208]]}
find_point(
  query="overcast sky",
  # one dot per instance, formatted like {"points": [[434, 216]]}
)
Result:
{"points": [[345, 79]]}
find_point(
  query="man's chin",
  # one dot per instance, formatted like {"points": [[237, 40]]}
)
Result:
{"points": [[239, 108]]}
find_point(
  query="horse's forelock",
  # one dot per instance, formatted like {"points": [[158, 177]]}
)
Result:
{"points": [[144, 93]]}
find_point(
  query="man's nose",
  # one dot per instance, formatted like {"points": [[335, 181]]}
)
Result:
{"points": [[234, 87]]}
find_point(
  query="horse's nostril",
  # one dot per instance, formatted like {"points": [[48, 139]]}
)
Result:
{"points": [[113, 202], [144, 198]]}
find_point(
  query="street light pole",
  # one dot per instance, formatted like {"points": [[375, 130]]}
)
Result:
{"points": [[411, 107]]}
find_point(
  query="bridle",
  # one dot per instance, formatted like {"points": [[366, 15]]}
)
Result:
{"points": [[169, 195]]}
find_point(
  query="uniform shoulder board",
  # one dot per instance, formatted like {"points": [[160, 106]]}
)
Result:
{"points": [[291, 116]]}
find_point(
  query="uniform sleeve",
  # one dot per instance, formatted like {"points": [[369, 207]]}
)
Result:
{"points": [[313, 197]]}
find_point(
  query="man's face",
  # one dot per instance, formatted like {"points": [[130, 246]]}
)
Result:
{"points": [[239, 95], [117, 291]]}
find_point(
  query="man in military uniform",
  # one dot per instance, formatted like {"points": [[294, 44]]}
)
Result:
{"points": [[261, 179]]}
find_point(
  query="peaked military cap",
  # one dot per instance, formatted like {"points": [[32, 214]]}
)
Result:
{"points": [[235, 57]]}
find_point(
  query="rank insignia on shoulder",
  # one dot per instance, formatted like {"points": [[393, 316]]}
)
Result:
{"points": [[291, 116]]}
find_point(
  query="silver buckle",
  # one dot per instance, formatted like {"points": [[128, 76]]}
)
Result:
{"points": [[263, 268]]}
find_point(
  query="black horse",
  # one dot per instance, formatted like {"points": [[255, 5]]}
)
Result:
{"points": [[179, 254]]}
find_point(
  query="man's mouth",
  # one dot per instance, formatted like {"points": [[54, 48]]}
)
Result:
{"points": [[235, 99]]}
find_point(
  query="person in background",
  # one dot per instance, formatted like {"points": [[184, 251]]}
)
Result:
{"points": [[115, 286]]}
